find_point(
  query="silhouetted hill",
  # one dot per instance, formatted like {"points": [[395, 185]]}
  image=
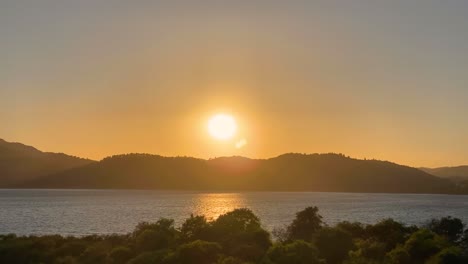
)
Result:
{"points": [[454, 173], [288, 172], [20, 163], [458, 175]]}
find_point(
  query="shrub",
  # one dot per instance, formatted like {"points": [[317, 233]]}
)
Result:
{"points": [[297, 252]]}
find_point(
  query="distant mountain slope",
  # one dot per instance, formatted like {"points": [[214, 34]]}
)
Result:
{"points": [[454, 173], [289, 172], [20, 163]]}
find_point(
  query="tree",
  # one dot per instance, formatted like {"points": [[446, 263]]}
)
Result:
{"points": [[464, 242], [451, 228], [72, 247], [151, 257], [198, 252], [305, 225], [369, 250], [297, 252], [389, 232], [120, 255], [194, 228], [398, 255], [357, 230], [240, 234], [423, 244], [450, 255], [333, 244], [96, 253], [150, 237]]}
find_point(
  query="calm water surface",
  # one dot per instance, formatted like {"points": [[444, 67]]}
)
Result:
{"points": [[80, 212]]}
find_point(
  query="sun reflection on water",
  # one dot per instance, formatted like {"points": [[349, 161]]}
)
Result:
{"points": [[212, 205]]}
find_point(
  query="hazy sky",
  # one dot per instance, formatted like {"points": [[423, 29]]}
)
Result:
{"points": [[370, 79]]}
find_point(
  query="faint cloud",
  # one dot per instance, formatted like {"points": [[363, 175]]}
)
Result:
{"points": [[241, 143]]}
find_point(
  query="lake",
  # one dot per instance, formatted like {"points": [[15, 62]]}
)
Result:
{"points": [[81, 212]]}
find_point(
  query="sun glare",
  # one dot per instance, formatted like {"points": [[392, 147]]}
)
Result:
{"points": [[222, 126]]}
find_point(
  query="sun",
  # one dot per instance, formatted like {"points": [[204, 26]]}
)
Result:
{"points": [[222, 126]]}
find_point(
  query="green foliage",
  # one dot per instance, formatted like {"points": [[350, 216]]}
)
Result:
{"points": [[389, 232], [198, 252], [357, 230], [451, 228], [195, 228], [120, 255], [398, 255], [333, 244], [237, 237], [95, 253], [241, 235], [160, 256], [297, 252], [464, 241], [66, 260], [451, 255], [151, 237], [305, 225], [368, 250], [423, 244], [231, 260], [74, 248]]}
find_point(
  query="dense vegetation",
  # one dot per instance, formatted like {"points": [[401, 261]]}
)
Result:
{"points": [[289, 172], [458, 175], [238, 237], [23, 166]]}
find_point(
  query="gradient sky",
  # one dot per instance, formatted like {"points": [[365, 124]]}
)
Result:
{"points": [[370, 79]]}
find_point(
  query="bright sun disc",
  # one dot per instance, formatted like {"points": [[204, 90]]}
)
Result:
{"points": [[222, 126]]}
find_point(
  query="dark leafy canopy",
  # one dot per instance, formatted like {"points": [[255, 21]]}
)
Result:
{"points": [[451, 228], [297, 252], [195, 228], [306, 225], [237, 237], [334, 244]]}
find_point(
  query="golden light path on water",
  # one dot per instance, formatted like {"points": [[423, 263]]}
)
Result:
{"points": [[87, 212], [212, 205]]}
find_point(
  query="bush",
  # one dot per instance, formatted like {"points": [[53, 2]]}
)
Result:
{"points": [[198, 252], [451, 255], [120, 255], [237, 237], [195, 228], [369, 250], [160, 256], [297, 252], [151, 237], [451, 228], [389, 232], [333, 244], [423, 244]]}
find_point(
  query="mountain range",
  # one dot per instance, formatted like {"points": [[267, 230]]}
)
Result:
{"points": [[458, 174], [20, 163], [23, 166]]}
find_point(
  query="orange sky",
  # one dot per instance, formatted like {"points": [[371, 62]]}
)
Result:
{"points": [[370, 80]]}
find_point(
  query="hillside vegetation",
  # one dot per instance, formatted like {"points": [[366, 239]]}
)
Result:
{"points": [[458, 173], [289, 172], [20, 163], [23, 166]]}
